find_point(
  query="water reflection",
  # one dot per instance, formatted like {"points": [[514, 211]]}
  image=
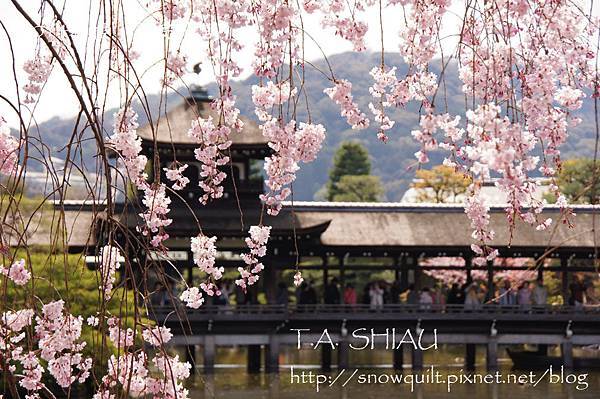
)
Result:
{"points": [[231, 381], [234, 383]]}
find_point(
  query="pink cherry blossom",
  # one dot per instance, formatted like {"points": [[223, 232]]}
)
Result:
{"points": [[192, 297], [109, 263], [17, 272], [175, 67], [155, 217], [257, 243], [9, 150], [298, 279], [128, 145], [157, 336], [175, 174], [341, 94]]}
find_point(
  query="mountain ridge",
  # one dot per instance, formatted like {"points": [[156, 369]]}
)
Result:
{"points": [[391, 161]]}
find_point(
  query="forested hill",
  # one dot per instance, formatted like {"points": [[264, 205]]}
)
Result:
{"points": [[390, 161]]}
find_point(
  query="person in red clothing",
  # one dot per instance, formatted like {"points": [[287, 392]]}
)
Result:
{"points": [[350, 295]]}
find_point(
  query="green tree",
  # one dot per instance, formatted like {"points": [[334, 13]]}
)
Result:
{"points": [[440, 184], [578, 182], [359, 188], [352, 159]]}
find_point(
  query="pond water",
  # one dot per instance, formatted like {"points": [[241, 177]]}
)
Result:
{"points": [[364, 380]]}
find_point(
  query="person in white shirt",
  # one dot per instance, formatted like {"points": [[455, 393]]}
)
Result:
{"points": [[376, 296]]}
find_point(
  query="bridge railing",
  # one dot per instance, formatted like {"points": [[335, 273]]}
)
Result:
{"points": [[331, 309]]}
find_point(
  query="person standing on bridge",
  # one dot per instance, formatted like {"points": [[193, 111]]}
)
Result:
{"points": [[413, 295], [472, 300], [376, 295], [539, 295], [455, 295], [332, 293], [350, 295], [282, 297], [426, 299], [506, 295], [524, 295]]}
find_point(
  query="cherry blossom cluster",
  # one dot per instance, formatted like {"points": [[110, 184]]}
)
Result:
{"points": [[270, 95], [450, 276], [419, 41], [291, 145], [38, 68], [391, 92], [214, 142], [173, 9], [9, 150], [341, 94], [550, 60], [109, 263], [175, 174], [257, 243], [342, 16], [155, 217], [204, 253], [274, 22], [419, 38], [298, 279], [134, 372], [17, 272], [126, 142], [175, 67], [492, 144], [192, 297], [128, 145], [58, 341]]}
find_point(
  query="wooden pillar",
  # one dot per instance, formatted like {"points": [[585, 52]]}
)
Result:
{"points": [[270, 281], [540, 271], [417, 271], [403, 273], [343, 354], [490, 280], [417, 359], [325, 272], [326, 357], [470, 355], [272, 355], [492, 354], [342, 272], [564, 262], [395, 265], [209, 350], [567, 354], [253, 359], [190, 275], [399, 358]]}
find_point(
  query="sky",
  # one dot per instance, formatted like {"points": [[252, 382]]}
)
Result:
{"points": [[57, 99]]}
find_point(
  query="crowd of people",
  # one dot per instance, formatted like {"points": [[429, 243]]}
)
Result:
{"points": [[471, 295]]}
